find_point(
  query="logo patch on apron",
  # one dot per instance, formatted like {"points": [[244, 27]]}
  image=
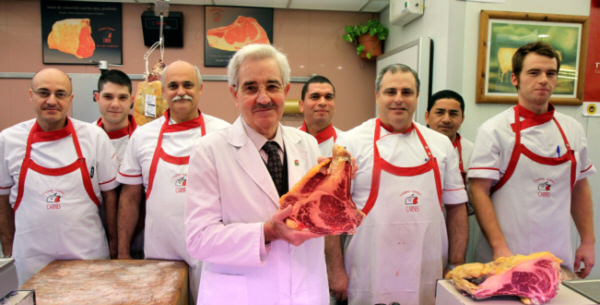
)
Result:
{"points": [[53, 198], [411, 200], [544, 187], [180, 183]]}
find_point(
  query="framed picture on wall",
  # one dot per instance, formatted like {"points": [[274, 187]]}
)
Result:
{"points": [[502, 33], [81, 32], [228, 29]]}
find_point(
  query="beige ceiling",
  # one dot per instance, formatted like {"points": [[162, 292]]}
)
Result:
{"points": [[371, 6]]}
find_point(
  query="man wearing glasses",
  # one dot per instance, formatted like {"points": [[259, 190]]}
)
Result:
{"points": [[55, 172]]}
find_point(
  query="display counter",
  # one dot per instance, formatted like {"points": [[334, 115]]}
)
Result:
{"points": [[110, 282], [446, 294]]}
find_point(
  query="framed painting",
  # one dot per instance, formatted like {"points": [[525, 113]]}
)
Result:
{"points": [[81, 33], [502, 33], [228, 29]]}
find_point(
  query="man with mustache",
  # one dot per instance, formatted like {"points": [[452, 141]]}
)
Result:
{"points": [[156, 164], [114, 100], [529, 171], [55, 173], [406, 172], [318, 106], [237, 175]]}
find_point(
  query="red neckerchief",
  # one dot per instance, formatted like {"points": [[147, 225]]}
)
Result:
{"points": [[456, 141], [324, 134], [117, 134], [456, 144], [531, 119], [390, 129], [193, 123], [39, 135]]}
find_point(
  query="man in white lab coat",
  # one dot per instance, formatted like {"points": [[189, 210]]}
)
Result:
{"points": [[406, 172], [529, 171], [54, 174], [232, 220], [318, 106], [156, 160], [114, 100]]}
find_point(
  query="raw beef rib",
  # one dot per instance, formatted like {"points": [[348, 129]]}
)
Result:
{"points": [[243, 31], [321, 200], [534, 278]]}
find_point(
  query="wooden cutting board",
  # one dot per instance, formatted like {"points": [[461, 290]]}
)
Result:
{"points": [[111, 282]]}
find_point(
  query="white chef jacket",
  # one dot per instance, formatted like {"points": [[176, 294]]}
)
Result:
{"points": [[95, 146], [540, 134], [120, 138], [229, 195], [495, 141], [467, 150], [326, 138], [135, 167], [406, 150]]}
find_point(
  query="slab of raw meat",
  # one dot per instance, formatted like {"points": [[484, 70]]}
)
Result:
{"points": [[243, 31], [535, 277], [321, 199]]}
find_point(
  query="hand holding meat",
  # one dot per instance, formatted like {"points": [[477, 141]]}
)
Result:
{"points": [[276, 228]]}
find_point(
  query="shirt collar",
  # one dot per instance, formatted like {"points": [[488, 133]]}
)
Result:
{"points": [[259, 140], [324, 134]]}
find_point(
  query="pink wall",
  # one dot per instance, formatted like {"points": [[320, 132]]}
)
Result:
{"points": [[311, 40]]}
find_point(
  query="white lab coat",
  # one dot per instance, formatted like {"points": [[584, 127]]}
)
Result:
{"points": [[229, 195]]}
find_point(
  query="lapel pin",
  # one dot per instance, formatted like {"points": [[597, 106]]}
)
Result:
{"points": [[296, 163]]}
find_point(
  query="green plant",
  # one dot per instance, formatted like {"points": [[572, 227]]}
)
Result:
{"points": [[372, 27]]}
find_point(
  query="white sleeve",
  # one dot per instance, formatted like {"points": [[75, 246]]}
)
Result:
{"points": [[130, 171], [106, 163], [6, 180], [453, 190], [587, 167], [486, 156]]}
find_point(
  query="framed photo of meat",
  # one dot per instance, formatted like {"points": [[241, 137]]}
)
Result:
{"points": [[228, 29], [502, 33], [81, 33]]}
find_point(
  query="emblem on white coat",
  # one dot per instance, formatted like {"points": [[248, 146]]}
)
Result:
{"points": [[53, 198], [180, 183], [411, 200], [544, 187]]}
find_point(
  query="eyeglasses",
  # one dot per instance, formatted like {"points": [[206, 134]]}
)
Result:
{"points": [[43, 93]]}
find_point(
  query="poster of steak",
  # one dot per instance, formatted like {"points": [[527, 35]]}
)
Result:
{"points": [[83, 33], [228, 29]]}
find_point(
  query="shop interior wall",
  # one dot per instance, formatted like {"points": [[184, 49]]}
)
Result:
{"points": [[311, 40], [454, 28]]}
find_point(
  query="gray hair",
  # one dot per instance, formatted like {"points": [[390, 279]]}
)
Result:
{"points": [[395, 68], [162, 75], [257, 52]]}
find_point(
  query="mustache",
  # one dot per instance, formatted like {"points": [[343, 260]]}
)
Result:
{"points": [[268, 106], [51, 108], [182, 97]]}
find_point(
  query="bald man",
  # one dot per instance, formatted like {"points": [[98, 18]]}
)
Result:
{"points": [[55, 173], [156, 159]]}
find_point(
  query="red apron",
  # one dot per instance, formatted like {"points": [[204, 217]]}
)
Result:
{"points": [[532, 201], [56, 213], [399, 251], [165, 231]]}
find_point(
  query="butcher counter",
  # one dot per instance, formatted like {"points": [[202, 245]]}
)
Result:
{"points": [[446, 294], [111, 282]]}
